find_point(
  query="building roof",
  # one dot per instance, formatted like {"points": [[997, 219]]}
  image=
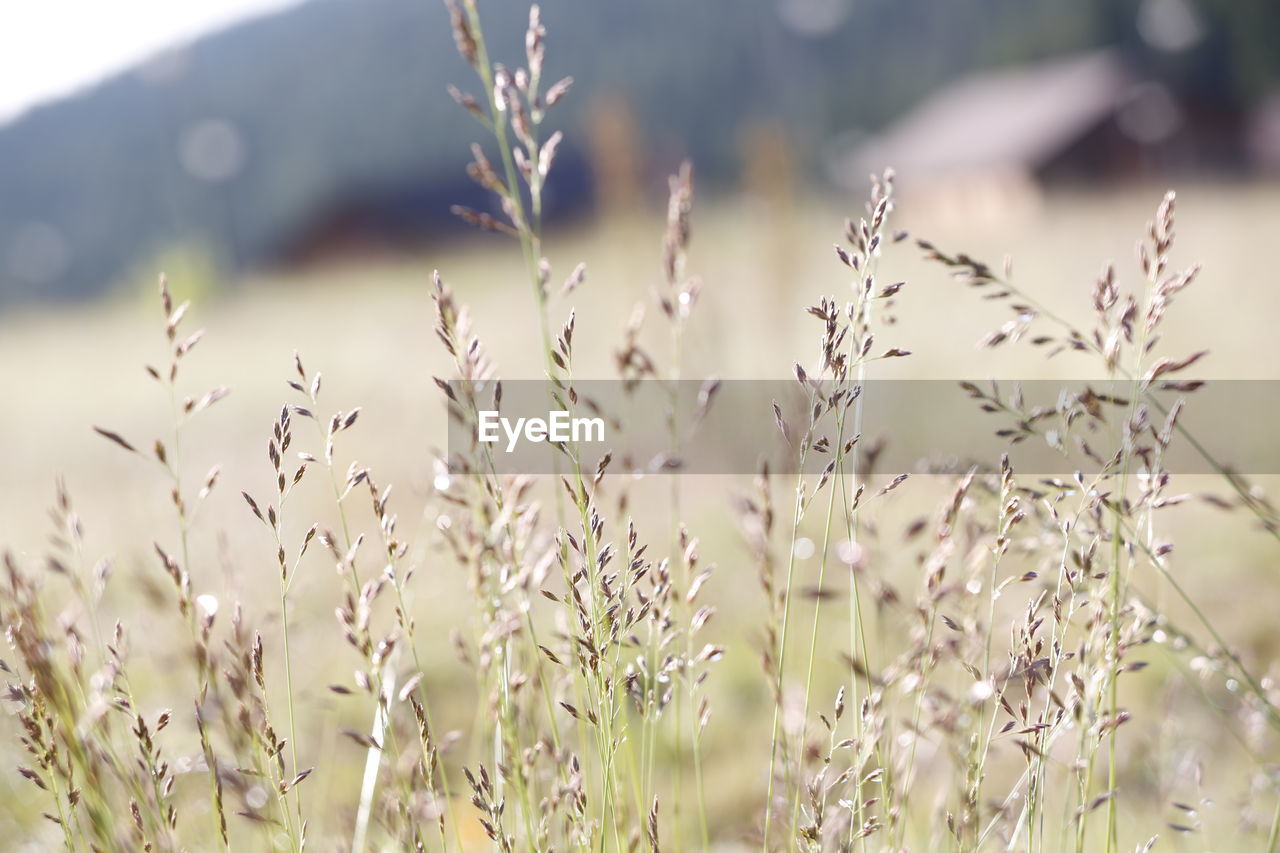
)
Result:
{"points": [[1017, 118]]}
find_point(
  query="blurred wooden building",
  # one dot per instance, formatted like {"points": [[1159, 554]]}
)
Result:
{"points": [[998, 138]]}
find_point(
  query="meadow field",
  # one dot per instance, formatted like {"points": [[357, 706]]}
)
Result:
{"points": [[942, 612]]}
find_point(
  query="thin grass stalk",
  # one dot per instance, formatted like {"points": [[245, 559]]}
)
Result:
{"points": [[851, 502], [528, 234], [1232, 479]]}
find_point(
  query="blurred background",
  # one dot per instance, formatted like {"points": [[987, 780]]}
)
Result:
{"points": [[291, 165], [271, 135]]}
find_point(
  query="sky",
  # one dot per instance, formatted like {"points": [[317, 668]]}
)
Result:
{"points": [[51, 48]]}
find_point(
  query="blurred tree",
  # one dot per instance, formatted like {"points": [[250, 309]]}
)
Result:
{"points": [[615, 155]]}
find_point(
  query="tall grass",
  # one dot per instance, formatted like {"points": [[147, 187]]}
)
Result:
{"points": [[969, 695]]}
